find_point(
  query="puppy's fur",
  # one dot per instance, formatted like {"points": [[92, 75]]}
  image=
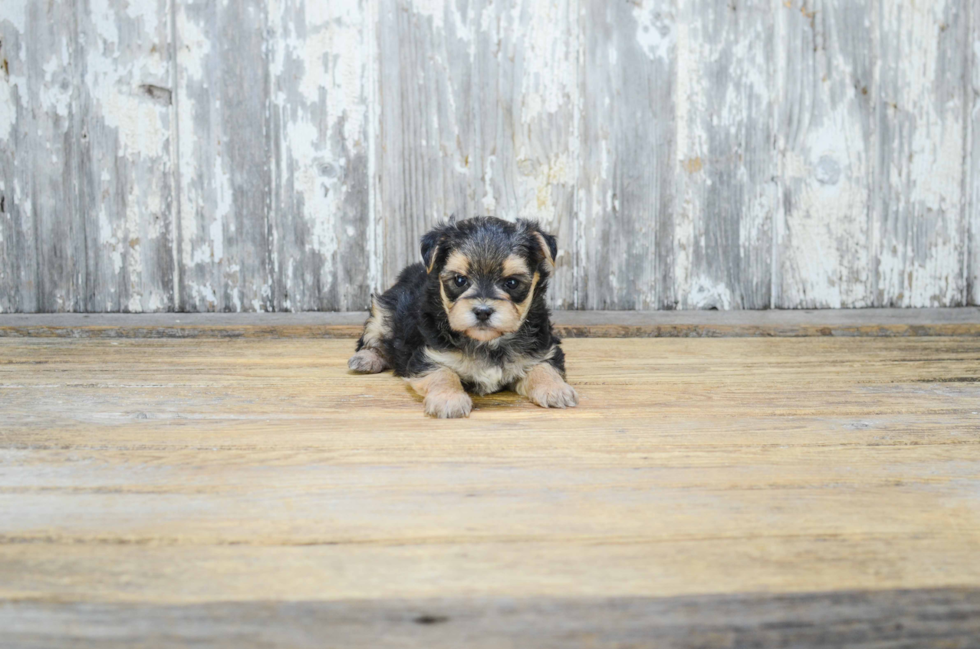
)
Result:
{"points": [[472, 317]]}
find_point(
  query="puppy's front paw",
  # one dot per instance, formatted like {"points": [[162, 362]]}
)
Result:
{"points": [[367, 361], [544, 386], [558, 395], [448, 405]]}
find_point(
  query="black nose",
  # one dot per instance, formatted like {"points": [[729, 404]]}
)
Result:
{"points": [[483, 312]]}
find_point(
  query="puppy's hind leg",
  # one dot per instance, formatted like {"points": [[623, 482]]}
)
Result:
{"points": [[369, 358], [444, 395]]}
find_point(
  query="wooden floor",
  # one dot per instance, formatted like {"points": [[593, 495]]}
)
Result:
{"points": [[707, 492]]}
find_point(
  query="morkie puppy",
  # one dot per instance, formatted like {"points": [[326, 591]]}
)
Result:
{"points": [[473, 317]]}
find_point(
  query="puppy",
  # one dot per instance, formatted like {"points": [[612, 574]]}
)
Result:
{"points": [[472, 317]]}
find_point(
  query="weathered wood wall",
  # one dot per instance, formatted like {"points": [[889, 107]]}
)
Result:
{"points": [[160, 155]]}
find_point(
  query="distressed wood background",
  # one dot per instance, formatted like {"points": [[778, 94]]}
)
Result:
{"points": [[192, 155]]}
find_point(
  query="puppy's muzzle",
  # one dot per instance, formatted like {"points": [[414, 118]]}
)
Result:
{"points": [[483, 312]]}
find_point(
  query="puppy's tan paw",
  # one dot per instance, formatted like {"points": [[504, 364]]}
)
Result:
{"points": [[367, 361], [544, 386], [554, 396], [448, 405]]}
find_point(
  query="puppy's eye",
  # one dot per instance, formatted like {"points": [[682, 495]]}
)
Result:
{"points": [[511, 283], [460, 281]]}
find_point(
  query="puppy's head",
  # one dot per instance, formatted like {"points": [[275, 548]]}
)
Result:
{"points": [[488, 272]]}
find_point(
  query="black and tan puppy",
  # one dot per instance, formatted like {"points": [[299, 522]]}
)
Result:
{"points": [[473, 317]]}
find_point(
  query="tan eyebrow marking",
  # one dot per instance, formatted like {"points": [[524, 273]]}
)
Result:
{"points": [[457, 264], [515, 265]]}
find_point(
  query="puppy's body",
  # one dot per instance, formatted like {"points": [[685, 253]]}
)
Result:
{"points": [[472, 317]]}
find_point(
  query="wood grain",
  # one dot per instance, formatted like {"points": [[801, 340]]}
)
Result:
{"points": [[726, 193], [149, 475], [124, 118], [972, 203], [422, 174], [159, 156], [885, 429], [921, 139], [479, 118], [321, 225], [223, 85], [40, 221], [938, 618], [825, 135], [623, 239]]}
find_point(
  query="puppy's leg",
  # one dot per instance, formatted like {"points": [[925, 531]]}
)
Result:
{"points": [[544, 386], [444, 395], [367, 361], [369, 358]]}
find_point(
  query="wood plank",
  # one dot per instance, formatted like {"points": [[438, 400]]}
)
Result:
{"points": [[972, 204], [571, 324], [726, 193], [423, 165], [729, 487], [42, 252], [937, 618], [124, 121], [741, 163], [918, 218], [479, 118], [321, 219], [624, 230], [824, 129], [223, 115]]}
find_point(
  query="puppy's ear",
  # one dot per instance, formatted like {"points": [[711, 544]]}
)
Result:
{"points": [[549, 246], [434, 241], [546, 243], [430, 249]]}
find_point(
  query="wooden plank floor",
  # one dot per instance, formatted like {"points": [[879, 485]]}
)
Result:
{"points": [[707, 492]]}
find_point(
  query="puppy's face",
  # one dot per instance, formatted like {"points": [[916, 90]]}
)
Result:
{"points": [[488, 271]]}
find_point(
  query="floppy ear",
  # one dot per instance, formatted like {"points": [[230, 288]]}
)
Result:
{"points": [[547, 243], [549, 246], [430, 249], [434, 240]]}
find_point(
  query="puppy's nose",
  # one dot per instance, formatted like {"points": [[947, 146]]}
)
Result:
{"points": [[483, 312]]}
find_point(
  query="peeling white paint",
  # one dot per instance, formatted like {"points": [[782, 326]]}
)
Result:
{"points": [[546, 86], [145, 14], [434, 9], [655, 31], [375, 225], [540, 195], [324, 129], [115, 81], [538, 137], [707, 294], [195, 46], [15, 13], [823, 240], [8, 109], [56, 91], [687, 105], [216, 234], [489, 200], [921, 262]]}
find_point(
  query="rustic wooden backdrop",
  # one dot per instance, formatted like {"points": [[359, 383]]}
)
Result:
{"points": [[161, 155]]}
